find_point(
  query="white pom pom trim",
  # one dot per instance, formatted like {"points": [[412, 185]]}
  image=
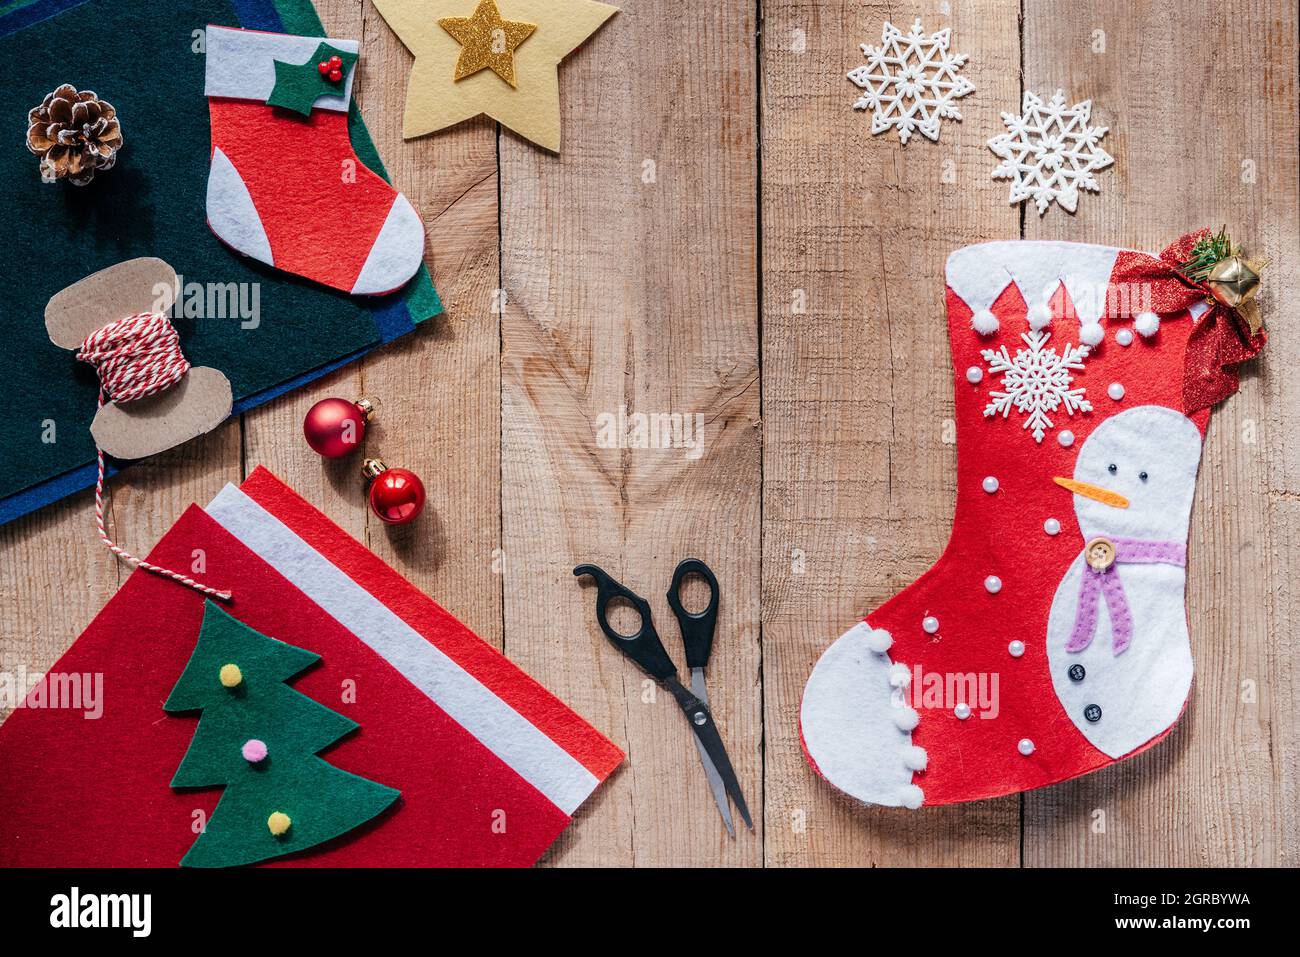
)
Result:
{"points": [[912, 797], [906, 718], [900, 676], [1040, 317], [915, 757], [984, 322], [1091, 333], [1147, 324], [880, 641]]}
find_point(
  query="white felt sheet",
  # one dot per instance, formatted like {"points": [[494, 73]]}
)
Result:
{"points": [[504, 731]]}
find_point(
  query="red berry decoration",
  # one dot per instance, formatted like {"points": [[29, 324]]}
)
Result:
{"points": [[396, 495], [336, 76], [323, 68], [336, 62], [336, 427]]}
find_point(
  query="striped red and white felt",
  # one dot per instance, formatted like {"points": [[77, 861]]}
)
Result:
{"points": [[490, 764]]}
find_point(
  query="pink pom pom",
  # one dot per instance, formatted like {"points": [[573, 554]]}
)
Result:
{"points": [[254, 750]]}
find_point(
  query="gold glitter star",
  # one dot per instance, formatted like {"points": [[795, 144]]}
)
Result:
{"points": [[487, 41]]}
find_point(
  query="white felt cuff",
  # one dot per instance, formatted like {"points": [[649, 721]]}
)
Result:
{"points": [[241, 63], [979, 274]]}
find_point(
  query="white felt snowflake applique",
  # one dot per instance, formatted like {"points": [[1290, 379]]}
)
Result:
{"points": [[1050, 152], [911, 81], [1036, 382]]}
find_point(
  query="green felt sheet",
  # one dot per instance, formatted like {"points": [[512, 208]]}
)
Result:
{"points": [[322, 801], [152, 204]]}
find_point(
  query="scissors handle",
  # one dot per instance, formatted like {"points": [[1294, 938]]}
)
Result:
{"points": [[697, 629], [643, 647]]}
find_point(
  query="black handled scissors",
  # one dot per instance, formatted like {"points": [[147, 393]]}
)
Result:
{"points": [[645, 648]]}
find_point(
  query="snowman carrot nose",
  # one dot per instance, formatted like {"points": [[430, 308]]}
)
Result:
{"points": [[1095, 492]]}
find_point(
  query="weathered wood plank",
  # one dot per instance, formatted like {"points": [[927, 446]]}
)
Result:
{"points": [[630, 267], [438, 388], [273, 432], [1202, 114], [441, 386], [54, 578], [858, 478]]}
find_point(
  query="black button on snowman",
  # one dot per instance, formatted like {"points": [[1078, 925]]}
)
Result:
{"points": [[1077, 672]]}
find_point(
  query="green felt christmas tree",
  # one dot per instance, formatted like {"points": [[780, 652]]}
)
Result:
{"points": [[259, 737]]}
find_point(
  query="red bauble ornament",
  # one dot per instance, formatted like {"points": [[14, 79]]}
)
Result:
{"points": [[336, 427], [396, 495]]}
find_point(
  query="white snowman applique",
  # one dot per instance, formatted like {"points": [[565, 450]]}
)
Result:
{"points": [[1117, 641]]}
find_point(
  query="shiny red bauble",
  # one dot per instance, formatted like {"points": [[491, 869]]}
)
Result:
{"points": [[396, 495], [336, 427]]}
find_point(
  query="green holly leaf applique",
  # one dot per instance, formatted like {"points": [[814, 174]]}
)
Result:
{"points": [[298, 85]]}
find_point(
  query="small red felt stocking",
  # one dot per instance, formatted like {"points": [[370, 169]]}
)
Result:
{"points": [[1050, 639], [285, 186]]}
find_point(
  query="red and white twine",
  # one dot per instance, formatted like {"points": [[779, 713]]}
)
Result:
{"points": [[136, 357]]}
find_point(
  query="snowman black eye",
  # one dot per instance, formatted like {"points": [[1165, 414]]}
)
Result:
{"points": [[1112, 468], [1142, 476]]}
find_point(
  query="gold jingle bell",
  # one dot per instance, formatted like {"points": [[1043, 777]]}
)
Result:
{"points": [[1099, 554], [1235, 280]]}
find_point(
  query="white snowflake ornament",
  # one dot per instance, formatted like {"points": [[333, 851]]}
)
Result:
{"points": [[910, 81], [1036, 382], [1050, 152]]}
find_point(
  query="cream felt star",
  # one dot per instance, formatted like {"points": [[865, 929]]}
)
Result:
{"points": [[437, 99]]}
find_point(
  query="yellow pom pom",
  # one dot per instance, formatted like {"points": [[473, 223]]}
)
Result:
{"points": [[278, 823], [231, 676]]}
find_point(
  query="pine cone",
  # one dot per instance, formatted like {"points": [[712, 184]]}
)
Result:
{"points": [[75, 134]]}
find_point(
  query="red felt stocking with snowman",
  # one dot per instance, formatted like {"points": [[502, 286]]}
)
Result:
{"points": [[285, 187], [1050, 639]]}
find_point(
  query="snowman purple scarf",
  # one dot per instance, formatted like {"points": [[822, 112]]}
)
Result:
{"points": [[1128, 551]]}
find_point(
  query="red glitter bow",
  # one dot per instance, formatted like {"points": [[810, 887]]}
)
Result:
{"points": [[1220, 339]]}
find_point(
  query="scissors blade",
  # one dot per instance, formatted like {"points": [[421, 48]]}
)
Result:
{"points": [[715, 779], [701, 719]]}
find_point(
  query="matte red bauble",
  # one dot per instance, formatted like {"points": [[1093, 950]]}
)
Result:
{"points": [[396, 495], [336, 427]]}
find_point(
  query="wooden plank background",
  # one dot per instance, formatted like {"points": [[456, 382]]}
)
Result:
{"points": [[723, 236]]}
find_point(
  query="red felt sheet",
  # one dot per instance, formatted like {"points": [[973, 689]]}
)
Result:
{"points": [[78, 792]]}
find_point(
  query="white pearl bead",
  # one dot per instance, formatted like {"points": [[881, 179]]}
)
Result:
{"points": [[994, 584], [1124, 337], [990, 484], [1025, 747], [974, 375], [1052, 527], [930, 624], [1115, 391], [1066, 438], [962, 711], [1017, 648]]}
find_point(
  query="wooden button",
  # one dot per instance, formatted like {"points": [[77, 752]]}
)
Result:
{"points": [[1099, 554]]}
